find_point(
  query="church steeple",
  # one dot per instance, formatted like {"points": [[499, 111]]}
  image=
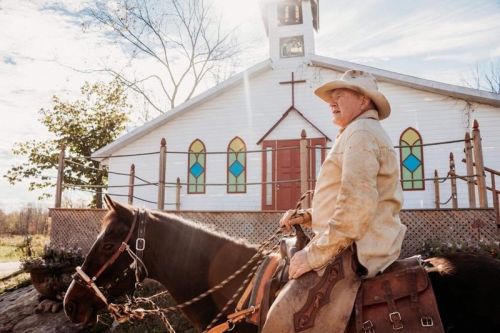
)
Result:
{"points": [[291, 27]]}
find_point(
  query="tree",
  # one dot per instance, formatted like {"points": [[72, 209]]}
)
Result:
{"points": [[82, 127], [182, 37], [485, 76]]}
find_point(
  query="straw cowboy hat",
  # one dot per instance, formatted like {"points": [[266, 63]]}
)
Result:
{"points": [[361, 82]]}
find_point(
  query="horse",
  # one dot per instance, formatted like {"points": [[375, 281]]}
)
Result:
{"points": [[188, 259]]}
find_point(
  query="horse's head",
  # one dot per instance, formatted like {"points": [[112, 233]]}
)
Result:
{"points": [[109, 269]]}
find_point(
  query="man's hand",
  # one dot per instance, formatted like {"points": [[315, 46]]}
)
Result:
{"points": [[298, 265], [301, 217], [285, 220]]}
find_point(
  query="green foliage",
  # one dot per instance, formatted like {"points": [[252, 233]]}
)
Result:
{"points": [[431, 248], [82, 126]]}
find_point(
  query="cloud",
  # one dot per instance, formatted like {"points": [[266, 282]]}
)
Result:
{"points": [[418, 29], [9, 60]]}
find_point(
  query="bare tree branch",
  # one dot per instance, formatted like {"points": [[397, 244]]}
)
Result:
{"points": [[485, 76], [183, 37]]}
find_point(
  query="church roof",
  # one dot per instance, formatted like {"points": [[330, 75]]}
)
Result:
{"points": [[284, 115], [175, 112], [469, 94]]}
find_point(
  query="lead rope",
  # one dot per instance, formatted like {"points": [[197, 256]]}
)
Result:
{"points": [[310, 194], [240, 289]]}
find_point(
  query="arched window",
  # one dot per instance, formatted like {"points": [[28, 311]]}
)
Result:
{"points": [[290, 13], [236, 166], [197, 167], [412, 160]]}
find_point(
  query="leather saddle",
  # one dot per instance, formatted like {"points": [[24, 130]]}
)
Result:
{"points": [[401, 299]]}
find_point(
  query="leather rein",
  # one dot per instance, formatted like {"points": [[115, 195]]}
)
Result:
{"points": [[83, 279]]}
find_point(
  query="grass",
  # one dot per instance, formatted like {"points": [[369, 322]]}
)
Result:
{"points": [[11, 246], [15, 282]]}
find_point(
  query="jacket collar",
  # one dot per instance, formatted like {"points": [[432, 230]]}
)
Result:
{"points": [[369, 114]]}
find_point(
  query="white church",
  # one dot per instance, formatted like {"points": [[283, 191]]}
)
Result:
{"points": [[234, 147]]}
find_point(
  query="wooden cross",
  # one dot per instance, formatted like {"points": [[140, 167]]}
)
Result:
{"points": [[293, 87]]}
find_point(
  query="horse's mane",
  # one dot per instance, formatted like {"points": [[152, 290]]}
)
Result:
{"points": [[195, 226], [191, 225]]}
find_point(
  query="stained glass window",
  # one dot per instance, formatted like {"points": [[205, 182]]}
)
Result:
{"points": [[196, 167], [236, 166], [412, 160]]}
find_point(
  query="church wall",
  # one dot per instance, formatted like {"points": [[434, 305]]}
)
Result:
{"points": [[250, 109], [216, 122]]}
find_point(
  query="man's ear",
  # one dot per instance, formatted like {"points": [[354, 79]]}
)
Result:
{"points": [[366, 103]]}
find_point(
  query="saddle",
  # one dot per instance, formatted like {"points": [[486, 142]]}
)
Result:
{"points": [[401, 299]]}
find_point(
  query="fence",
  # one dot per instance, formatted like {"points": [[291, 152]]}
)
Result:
{"points": [[79, 227], [475, 177]]}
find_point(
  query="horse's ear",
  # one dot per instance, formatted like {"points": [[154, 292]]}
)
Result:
{"points": [[124, 211], [109, 202]]}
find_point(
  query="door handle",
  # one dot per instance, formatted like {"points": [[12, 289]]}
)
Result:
{"points": [[277, 187]]}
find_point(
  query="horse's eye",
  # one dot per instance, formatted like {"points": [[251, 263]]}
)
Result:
{"points": [[107, 247]]}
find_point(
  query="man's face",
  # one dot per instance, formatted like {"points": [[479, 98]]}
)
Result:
{"points": [[346, 105]]}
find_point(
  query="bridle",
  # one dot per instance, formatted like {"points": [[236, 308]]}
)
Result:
{"points": [[82, 279]]}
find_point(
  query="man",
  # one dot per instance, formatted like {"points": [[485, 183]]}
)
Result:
{"points": [[356, 201]]}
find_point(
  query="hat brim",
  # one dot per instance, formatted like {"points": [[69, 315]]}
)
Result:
{"points": [[383, 107]]}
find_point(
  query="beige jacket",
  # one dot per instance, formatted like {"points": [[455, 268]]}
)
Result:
{"points": [[358, 197]]}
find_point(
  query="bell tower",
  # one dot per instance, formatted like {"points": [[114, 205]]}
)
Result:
{"points": [[291, 26]]}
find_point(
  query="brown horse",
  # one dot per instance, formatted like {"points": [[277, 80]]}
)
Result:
{"points": [[188, 259]]}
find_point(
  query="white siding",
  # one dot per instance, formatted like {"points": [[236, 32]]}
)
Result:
{"points": [[250, 109]]}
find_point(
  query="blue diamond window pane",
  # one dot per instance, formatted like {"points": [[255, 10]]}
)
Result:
{"points": [[236, 168], [197, 169], [411, 163]]}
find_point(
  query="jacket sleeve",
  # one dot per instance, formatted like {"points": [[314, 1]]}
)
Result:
{"points": [[357, 199]]}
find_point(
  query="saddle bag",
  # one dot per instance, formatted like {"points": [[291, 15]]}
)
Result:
{"points": [[399, 300]]}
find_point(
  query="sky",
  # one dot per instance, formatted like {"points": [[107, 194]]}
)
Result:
{"points": [[45, 49]]}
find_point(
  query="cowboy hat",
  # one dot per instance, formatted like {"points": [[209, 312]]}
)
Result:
{"points": [[361, 82]]}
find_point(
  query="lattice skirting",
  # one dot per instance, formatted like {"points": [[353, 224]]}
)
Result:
{"points": [[79, 227]]}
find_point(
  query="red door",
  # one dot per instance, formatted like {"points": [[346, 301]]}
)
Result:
{"points": [[287, 174], [281, 171]]}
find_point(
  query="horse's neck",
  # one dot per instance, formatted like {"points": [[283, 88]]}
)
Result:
{"points": [[188, 260]]}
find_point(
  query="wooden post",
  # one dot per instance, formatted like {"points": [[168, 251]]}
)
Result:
{"points": [[161, 178], [453, 176], [437, 199], [304, 159], [495, 199], [98, 192], [178, 195], [478, 160], [470, 171], [131, 181], [60, 177]]}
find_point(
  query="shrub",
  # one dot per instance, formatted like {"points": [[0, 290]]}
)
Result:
{"points": [[54, 258]]}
